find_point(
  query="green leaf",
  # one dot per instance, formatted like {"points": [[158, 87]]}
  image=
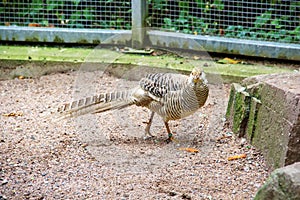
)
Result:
{"points": [[183, 5], [187, 31], [54, 4], [75, 16], [230, 28], [159, 4], [219, 4], [276, 23], [201, 3], [76, 2], [79, 25], [287, 39], [263, 19], [88, 14], [45, 23], [167, 21], [120, 22], [296, 31]]}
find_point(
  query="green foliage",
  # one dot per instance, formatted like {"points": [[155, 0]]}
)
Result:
{"points": [[270, 21], [263, 19], [67, 13]]}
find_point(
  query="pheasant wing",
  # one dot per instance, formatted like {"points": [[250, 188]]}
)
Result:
{"points": [[160, 84]]}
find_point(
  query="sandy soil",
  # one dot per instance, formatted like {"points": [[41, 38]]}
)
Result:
{"points": [[105, 156]]}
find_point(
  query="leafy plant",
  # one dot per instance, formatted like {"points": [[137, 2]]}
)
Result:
{"points": [[262, 20], [273, 20], [67, 13], [239, 19], [168, 24]]}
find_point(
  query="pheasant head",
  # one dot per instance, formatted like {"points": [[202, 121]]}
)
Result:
{"points": [[197, 76]]}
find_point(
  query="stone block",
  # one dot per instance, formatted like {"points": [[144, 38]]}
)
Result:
{"points": [[277, 132], [252, 120], [267, 111], [238, 105], [283, 183]]}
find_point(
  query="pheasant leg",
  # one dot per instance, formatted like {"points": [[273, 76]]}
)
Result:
{"points": [[147, 129], [170, 135]]}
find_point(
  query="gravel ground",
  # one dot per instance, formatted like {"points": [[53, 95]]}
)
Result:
{"points": [[105, 156]]}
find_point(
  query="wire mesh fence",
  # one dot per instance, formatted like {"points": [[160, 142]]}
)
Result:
{"points": [[109, 14], [275, 20]]}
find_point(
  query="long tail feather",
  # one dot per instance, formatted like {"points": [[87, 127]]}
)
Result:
{"points": [[95, 104]]}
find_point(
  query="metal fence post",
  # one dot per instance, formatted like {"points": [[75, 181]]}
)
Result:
{"points": [[139, 14]]}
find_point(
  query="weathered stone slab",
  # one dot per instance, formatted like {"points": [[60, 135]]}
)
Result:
{"points": [[252, 120], [270, 118], [238, 105], [277, 131], [283, 183]]}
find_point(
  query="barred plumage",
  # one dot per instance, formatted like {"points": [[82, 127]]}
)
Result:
{"points": [[172, 96]]}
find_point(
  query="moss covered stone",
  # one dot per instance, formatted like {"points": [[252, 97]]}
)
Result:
{"points": [[58, 40], [32, 39], [267, 110], [283, 183], [238, 109], [252, 120]]}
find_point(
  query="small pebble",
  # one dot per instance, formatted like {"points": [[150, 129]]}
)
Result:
{"points": [[44, 173], [18, 129], [243, 141], [4, 182]]}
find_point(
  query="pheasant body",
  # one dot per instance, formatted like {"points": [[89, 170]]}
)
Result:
{"points": [[172, 96]]}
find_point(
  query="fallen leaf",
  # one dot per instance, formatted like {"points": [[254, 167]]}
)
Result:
{"points": [[154, 53], [221, 32], [228, 61], [188, 149], [12, 114], [34, 25], [223, 137], [235, 157], [84, 145]]}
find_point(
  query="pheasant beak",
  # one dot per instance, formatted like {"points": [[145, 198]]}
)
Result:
{"points": [[196, 80]]}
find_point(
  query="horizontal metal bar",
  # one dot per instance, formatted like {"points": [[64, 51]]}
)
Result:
{"points": [[65, 35], [225, 45]]}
